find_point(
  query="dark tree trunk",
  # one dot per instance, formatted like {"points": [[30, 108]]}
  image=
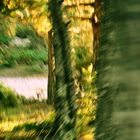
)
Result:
{"points": [[51, 74], [96, 31], [64, 90], [118, 81]]}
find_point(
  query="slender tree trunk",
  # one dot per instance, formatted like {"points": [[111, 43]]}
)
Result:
{"points": [[96, 31], [64, 90], [51, 74], [118, 81]]}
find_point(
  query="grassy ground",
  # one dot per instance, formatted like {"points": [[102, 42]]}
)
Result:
{"points": [[25, 122], [23, 71], [18, 61]]}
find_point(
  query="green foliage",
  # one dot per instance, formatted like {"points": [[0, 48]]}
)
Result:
{"points": [[83, 57], [23, 31], [4, 39], [86, 102], [38, 127], [27, 31], [6, 22], [8, 98], [38, 69], [29, 121], [13, 56], [7, 30], [35, 53]]}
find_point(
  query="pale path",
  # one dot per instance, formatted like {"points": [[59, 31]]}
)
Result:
{"points": [[28, 87]]}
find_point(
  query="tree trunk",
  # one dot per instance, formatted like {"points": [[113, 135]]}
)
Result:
{"points": [[51, 75], [96, 31], [64, 91], [118, 81]]}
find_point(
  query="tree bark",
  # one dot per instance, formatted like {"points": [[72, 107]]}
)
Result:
{"points": [[95, 20], [51, 74], [118, 83], [64, 102]]}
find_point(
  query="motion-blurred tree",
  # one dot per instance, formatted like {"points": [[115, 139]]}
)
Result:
{"points": [[64, 91], [118, 108]]}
